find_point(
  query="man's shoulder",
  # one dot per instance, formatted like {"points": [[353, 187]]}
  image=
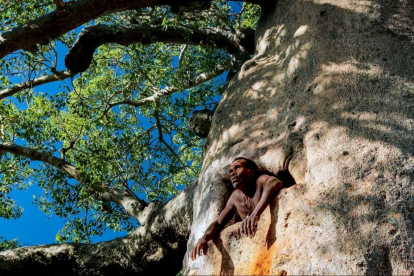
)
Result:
{"points": [[235, 195], [263, 178]]}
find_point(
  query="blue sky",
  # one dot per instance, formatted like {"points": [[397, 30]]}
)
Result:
{"points": [[35, 227]]}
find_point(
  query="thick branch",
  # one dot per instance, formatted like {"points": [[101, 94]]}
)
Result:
{"points": [[59, 75], [80, 56], [132, 206], [69, 17], [44, 157], [157, 248]]}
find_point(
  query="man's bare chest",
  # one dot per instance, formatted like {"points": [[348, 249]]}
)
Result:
{"points": [[245, 204]]}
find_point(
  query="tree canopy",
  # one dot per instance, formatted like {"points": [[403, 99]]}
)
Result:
{"points": [[113, 135]]}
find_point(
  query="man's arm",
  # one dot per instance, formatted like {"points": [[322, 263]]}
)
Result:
{"points": [[271, 186], [214, 229]]}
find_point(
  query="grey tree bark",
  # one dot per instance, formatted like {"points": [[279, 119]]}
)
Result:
{"points": [[331, 88]]}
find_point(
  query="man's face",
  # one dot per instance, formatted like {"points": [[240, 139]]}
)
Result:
{"points": [[239, 173]]}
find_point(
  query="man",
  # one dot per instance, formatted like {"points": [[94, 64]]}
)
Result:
{"points": [[252, 194]]}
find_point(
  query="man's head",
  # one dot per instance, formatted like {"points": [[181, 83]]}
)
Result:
{"points": [[242, 171]]}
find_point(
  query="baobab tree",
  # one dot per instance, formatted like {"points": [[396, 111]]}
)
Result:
{"points": [[323, 86]]}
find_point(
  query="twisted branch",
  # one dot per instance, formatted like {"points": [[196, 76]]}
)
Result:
{"points": [[132, 205], [80, 55], [59, 75]]}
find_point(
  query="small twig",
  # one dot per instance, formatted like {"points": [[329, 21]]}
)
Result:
{"points": [[64, 129], [76, 92], [72, 142], [147, 78], [200, 79], [9, 167], [180, 57], [160, 134], [240, 16], [54, 70]]}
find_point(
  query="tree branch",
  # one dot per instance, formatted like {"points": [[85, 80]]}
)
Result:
{"points": [[80, 55], [180, 57], [71, 16], [83, 54], [133, 206], [160, 134], [44, 157], [59, 75], [156, 248], [171, 90]]}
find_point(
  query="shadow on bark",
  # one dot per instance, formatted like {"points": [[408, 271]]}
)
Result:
{"points": [[329, 68], [227, 265]]}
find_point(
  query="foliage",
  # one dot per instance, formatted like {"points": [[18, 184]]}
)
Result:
{"points": [[250, 15], [6, 244], [112, 145], [15, 13]]}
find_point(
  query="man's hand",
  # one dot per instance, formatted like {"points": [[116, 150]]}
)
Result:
{"points": [[201, 245], [249, 225]]}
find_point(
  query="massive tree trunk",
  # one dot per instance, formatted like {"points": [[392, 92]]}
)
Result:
{"points": [[331, 86], [331, 89]]}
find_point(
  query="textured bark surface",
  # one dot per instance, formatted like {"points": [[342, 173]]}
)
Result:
{"points": [[331, 85]]}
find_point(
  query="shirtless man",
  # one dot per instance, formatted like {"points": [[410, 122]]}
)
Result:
{"points": [[252, 194]]}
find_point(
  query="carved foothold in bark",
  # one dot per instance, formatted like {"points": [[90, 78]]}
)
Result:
{"points": [[200, 122], [293, 144]]}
